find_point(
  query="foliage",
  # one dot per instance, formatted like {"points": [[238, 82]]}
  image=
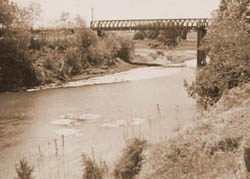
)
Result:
{"points": [[129, 165], [7, 13], [92, 170], [139, 36], [15, 67], [30, 59], [126, 50], [227, 43], [23, 170], [170, 36]]}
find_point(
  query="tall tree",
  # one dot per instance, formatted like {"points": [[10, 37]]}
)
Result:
{"points": [[228, 44]]}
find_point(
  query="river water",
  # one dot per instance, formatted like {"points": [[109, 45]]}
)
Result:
{"points": [[53, 127]]}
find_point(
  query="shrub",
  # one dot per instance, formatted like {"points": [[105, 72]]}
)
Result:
{"points": [[23, 170], [227, 43], [92, 170], [129, 165], [86, 38], [138, 36], [126, 50], [170, 36], [15, 66]]}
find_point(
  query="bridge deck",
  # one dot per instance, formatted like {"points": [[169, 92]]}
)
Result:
{"points": [[149, 24]]}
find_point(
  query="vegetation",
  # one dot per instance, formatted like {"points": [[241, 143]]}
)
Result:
{"points": [[15, 66], [129, 165], [75, 54], [23, 170], [31, 58], [227, 43], [169, 36], [93, 170], [213, 146]]}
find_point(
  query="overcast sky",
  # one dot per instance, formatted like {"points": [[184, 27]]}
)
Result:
{"points": [[126, 9]]}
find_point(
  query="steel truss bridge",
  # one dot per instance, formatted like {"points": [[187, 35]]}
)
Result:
{"points": [[198, 24], [149, 24]]}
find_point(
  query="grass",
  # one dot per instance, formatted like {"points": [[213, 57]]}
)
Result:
{"points": [[212, 147], [131, 161], [93, 170]]}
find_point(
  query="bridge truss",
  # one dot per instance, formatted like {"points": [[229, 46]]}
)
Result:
{"points": [[149, 24]]}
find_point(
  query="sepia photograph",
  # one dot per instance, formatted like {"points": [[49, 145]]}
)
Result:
{"points": [[124, 89]]}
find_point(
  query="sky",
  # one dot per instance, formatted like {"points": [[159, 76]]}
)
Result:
{"points": [[124, 9]]}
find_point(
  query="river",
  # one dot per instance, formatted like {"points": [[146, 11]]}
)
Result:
{"points": [[51, 128]]}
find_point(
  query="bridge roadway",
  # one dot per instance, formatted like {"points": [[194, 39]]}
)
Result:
{"points": [[149, 24]]}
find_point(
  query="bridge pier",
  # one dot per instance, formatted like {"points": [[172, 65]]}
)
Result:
{"points": [[201, 54], [100, 33]]}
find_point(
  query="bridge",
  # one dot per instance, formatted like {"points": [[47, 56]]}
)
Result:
{"points": [[198, 24], [149, 24]]}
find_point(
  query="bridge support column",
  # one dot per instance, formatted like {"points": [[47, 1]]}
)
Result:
{"points": [[201, 54], [100, 33]]}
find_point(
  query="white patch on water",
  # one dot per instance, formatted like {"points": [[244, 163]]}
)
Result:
{"points": [[122, 123], [109, 125], [63, 122], [88, 117], [137, 121], [67, 132], [116, 124]]}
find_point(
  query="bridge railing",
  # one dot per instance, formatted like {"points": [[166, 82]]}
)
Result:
{"points": [[149, 24]]}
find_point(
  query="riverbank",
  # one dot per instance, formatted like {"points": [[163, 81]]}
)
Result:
{"points": [[216, 145], [144, 56]]}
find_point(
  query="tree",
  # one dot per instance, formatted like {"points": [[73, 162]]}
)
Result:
{"points": [[79, 22], [7, 13], [228, 44], [15, 67]]}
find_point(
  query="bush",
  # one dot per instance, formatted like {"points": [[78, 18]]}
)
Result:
{"points": [[138, 36], [23, 170], [227, 43], [15, 66], [92, 170], [170, 36], [126, 50], [130, 163], [86, 38]]}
